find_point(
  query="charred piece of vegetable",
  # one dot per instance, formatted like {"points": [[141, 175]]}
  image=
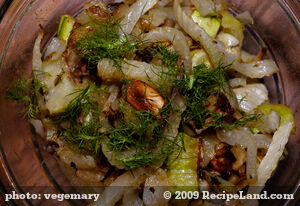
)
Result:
{"points": [[143, 97]]}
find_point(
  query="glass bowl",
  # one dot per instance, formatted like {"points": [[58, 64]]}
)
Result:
{"points": [[25, 163]]}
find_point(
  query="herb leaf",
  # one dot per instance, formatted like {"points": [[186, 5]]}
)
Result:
{"points": [[105, 41], [24, 91], [198, 89]]}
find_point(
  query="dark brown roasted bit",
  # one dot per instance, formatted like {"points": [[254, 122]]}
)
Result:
{"points": [[222, 162], [113, 7], [79, 73], [143, 97], [262, 53], [145, 55], [195, 126], [261, 154], [111, 177], [218, 102], [118, 10], [51, 147]]}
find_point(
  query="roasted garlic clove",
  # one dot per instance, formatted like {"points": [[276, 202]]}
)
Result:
{"points": [[143, 97]]}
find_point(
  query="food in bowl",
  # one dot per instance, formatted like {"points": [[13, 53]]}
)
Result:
{"points": [[156, 95]]}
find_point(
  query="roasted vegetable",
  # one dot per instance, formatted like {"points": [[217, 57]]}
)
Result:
{"points": [[143, 97], [210, 24], [232, 26], [199, 57], [148, 73], [231, 44], [273, 155], [251, 96], [65, 27], [182, 165], [61, 95], [285, 113], [222, 162]]}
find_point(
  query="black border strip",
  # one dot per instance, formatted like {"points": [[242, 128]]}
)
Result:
{"points": [[4, 8]]}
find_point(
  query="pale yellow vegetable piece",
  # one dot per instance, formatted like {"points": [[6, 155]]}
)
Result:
{"points": [[210, 24], [232, 26], [182, 165]]}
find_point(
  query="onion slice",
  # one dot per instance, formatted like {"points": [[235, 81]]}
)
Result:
{"points": [[38, 127], [55, 49], [251, 96], [163, 3], [270, 161], [251, 168], [37, 55], [241, 135], [131, 197], [159, 15], [159, 183], [257, 69], [114, 92], [136, 10], [148, 73], [236, 82]]}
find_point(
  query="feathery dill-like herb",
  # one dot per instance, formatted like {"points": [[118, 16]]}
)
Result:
{"points": [[82, 104], [134, 133], [168, 58], [149, 157], [151, 151], [121, 138], [105, 41], [144, 133], [84, 137], [198, 87], [242, 121], [24, 91]]}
